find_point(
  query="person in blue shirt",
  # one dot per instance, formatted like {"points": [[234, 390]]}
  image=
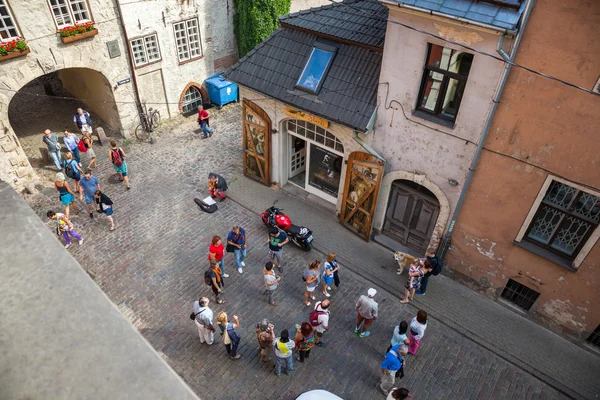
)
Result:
{"points": [[394, 360], [237, 239]]}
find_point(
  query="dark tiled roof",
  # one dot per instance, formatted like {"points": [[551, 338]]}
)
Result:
{"points": [[474, 10], [349, 92], [359, 21]]}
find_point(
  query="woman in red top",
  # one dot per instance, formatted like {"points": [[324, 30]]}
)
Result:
{"points": [[216, 251]]}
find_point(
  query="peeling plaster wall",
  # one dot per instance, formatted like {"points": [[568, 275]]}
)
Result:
{"points": [[164, 81], [556, 128], [414, 148], [49, 54]]}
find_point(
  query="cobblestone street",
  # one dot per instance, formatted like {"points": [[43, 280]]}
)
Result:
{"points": [[152, 267]]}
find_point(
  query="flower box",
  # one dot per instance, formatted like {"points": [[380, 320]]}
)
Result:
{"points": [[14, 54], [14, 48], [79, 36]]}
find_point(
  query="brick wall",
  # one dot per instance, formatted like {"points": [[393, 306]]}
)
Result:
{"points": [[221, 64]]}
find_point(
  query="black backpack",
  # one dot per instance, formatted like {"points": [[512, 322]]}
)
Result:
{"points": [[69, 170], [206, 207], [436, 263], [207, 278]]}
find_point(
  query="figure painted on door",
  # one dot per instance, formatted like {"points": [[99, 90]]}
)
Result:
{"points": [[258, 138], [358, 187]]}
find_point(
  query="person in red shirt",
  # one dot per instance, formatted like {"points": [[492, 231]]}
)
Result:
{"points": [[216, 252], [203, 121]]}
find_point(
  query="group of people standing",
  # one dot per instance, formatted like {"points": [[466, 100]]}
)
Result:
{"points": [[83, 181]]}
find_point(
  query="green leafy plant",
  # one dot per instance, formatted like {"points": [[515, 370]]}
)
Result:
{"points": [[254, 20], [76, 29], [18, 44]]}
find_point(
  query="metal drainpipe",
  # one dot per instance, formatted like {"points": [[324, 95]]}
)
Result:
{"points": [[131, 64], [488, 123]]}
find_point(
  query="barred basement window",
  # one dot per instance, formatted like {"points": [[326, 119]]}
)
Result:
{"points": [[564, 221], [69, 12], [145, 50], [187, 38], [8, 27], [594, 337], [519, 294], [191, 100]]}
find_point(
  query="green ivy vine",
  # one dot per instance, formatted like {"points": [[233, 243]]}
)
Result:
{"points": [[254, 20]]}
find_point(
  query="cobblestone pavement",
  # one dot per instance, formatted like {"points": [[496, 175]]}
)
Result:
{"points": [[152, 268]]}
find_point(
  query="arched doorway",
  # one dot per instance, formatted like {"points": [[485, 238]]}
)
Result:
{"points": [[50, 102], [411, 215]]}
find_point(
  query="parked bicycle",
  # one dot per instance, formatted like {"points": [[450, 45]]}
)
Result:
{"points": [[150, 119]]}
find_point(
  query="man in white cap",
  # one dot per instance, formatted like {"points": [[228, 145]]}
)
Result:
{"points": [[366, 313]]}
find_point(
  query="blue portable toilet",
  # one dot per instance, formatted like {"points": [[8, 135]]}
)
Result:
{"points": [[221, 91]]}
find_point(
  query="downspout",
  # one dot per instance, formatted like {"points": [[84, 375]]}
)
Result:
{"points": [[131, 64], [488, 122]]}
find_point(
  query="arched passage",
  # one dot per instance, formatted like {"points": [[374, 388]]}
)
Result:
{"points": [[411, 211], [50, 102]]}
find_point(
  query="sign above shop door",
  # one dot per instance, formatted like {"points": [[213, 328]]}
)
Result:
{"points": [[256, 141], [363, 178]]}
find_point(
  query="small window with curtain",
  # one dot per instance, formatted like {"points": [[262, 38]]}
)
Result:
{"points": [[444, 80], [316, 68]]}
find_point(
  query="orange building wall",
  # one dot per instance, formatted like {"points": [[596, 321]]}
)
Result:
{"points": [[555, 129]]}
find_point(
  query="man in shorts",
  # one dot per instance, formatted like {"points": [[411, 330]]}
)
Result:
{"points": [[88, 185], [277, 238], [82, 121]]}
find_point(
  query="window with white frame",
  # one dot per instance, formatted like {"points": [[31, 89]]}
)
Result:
{"points": [[8, 27], [69, 12], [145, 50], [564, 220], [187, 38], [191, 100]]}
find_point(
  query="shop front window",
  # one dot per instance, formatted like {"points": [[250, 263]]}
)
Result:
{"points": [[325, 170]]}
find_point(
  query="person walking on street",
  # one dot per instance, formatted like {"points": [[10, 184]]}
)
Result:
{"points": [[277, 239], [284, 352], [399, 336], [105, 205], [366, 313], [203, 317], [417, 330], [265, 334], [399, 394], [71, 142], [394, 360], [72, 170], [64, 227], [89, 185], [311, 278], [65, 194], [217, 186], [319, 318], [327, 277], [216, 280], [88, 142], [331, 262], [51, 140], [116, 155], [230, 338], [236, 240], [216, 251], [203, 117], [305, 339], [83, 121], [271, 282], [436, 268]]}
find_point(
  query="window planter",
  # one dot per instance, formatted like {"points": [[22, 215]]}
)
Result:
{"points": [[79, 36], [14, 54]]}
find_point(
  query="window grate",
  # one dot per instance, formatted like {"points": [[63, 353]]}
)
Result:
{"points": [[191, 100], [594, 337], [519, 294]]}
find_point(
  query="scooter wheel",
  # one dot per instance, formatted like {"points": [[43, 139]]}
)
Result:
{"points": [[307, 247]]}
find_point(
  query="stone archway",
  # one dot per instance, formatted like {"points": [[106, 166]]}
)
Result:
{"points": [[384, 196], [50, 102]]}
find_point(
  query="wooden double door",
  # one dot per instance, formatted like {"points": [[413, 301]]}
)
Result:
{"points": [[411, 215]]}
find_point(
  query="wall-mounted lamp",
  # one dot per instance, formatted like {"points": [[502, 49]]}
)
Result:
{"points": [[453, 182]]}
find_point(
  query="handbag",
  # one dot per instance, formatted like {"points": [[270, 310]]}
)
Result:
{"points": [[229, 248], [81, 146]]}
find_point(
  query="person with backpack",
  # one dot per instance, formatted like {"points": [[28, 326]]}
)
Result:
{"points": [[72, 170], [203, 317], [71, 142], [230, 338], [105, 205], [116, 155], [305, 339], [65, 194], [436, 269], [265, 334], [366, 313], [328, 273], [214, 278], [284, 353], [64, 228], [319, 319], [83, 121], [331, 261], [311, 277], [394, 360], [51, 140], [236, 244]]}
